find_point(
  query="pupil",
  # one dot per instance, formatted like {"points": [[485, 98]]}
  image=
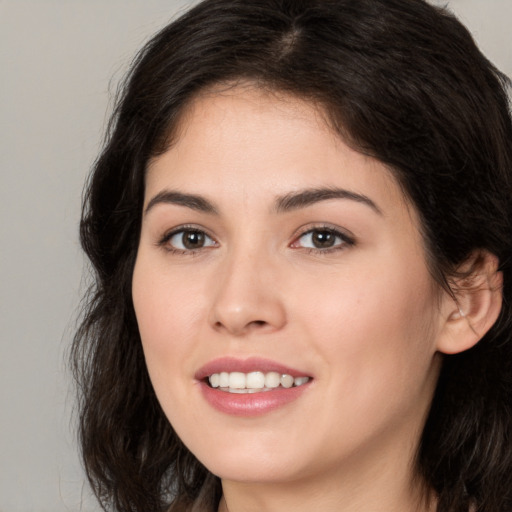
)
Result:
{"points": [[193, 239], [323, 239]]}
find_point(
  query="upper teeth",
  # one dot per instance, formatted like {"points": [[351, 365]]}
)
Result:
{"points": [[237, 381]]}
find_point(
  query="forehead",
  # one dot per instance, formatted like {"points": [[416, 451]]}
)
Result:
{"points": [[235, 114], [247, 140]]}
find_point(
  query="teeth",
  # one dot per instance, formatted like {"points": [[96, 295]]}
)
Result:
{"points": [[272, 380], [215, 380], [286, 381], [298, 381], [223, 380], [238, 382], [255, 380]]}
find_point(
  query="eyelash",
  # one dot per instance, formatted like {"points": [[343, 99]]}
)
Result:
{"points": [[164, 241], [344, 240]]}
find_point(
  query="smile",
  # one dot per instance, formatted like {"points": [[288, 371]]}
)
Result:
{"points": [[254, 382], [251, 387]]}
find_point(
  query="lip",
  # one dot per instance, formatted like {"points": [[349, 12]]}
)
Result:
{"points": [[250, 404]]}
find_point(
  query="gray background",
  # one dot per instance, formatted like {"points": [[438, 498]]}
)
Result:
{"points": [[60, 61]]}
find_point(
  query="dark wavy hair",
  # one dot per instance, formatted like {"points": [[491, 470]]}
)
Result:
{"points": [[399, 80]]}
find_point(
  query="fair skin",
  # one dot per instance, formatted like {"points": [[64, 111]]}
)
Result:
{"points": [[246, 262]]}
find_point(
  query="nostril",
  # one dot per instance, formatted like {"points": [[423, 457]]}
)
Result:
{"points": [[240, 329]]}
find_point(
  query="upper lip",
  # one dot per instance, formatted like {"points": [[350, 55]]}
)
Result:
{"points": [[252, 364]]}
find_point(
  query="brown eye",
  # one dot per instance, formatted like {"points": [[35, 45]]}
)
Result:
{"points": [[322, 239], [190, 240]]}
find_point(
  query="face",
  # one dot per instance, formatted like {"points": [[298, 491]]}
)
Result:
{"points": [[288, 269]]}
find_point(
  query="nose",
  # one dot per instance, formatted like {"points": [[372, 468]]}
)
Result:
{"points": [[247, 298]]}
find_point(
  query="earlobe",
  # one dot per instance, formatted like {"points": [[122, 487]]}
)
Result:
{"points": [[475, 306]]}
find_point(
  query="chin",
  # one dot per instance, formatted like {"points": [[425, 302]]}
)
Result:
{"points": [[253, 471], [251, 462]]}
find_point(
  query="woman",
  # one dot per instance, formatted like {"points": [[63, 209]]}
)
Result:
{"points": [[300, 228]]}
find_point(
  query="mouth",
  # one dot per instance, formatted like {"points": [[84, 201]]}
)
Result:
{"points": [[252, 375], [253, 382], [250, 387]]}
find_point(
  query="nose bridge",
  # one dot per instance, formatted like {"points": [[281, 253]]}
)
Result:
{"points": [[247, 297]]}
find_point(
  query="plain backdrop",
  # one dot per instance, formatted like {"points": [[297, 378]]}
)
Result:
{"points": [[60, 61]]}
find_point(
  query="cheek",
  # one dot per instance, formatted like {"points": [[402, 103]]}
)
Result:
{"points": [[167, 305], [376, 328], [377, 336], [167, 316]]}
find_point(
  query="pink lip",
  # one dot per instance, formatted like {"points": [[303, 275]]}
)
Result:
{"points": [[250, 404]]}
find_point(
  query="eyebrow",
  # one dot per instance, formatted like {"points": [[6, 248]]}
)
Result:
{"points": [[286, 203], [191, 201], [307, 197]]}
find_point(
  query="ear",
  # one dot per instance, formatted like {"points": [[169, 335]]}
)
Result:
{"points": [[475, 305]]}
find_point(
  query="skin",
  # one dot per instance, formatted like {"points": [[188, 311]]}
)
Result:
{"points": [[364, 318]]}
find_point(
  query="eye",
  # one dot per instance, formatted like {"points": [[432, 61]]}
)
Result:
{"points": [[188, 240], [322, 239]]}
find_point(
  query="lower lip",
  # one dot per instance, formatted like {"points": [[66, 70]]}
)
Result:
{"points": [[251, 404]]}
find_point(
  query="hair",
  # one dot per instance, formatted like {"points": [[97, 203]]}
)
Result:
{"points": [[400, 80]]}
